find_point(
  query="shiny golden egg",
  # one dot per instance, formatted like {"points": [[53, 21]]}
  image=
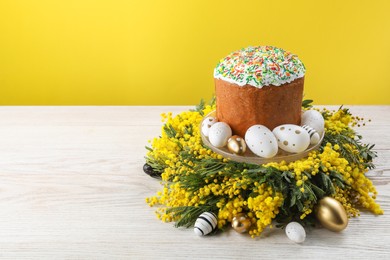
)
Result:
{"points": [[236, 145], [241, 223], [331, 214]]}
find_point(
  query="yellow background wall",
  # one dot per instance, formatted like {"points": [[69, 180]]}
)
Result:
{"points": [[124, 52]]}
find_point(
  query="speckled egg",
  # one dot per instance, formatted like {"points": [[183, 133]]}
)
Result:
{"points": [[292, 138], [207, 123], [295, 232], [314, 119], [219, 134], [261, 141]]}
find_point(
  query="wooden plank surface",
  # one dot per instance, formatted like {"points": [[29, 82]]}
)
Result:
{"points": [[72, 187]]}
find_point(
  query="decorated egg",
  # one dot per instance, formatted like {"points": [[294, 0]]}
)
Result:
{"points": [[236, 145], [292, 138], [149, 170], [295, 232], [261, 141], [331, 214], [205, 223], [206, 125], [219, 134], [241, 223], [314, 136], [314, 119]]}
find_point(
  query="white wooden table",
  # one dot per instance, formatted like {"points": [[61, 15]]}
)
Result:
{"points": [[72, 187]]}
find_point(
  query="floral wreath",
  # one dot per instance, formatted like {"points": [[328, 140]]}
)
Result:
{"points": [[203, 189]]}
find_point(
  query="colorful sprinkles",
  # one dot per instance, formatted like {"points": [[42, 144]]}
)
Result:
{"points": [[260, 66]]}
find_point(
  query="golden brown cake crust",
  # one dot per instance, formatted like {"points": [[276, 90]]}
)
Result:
{"points": [[242, 107]]}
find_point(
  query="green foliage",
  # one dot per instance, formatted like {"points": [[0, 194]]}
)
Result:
{"points": [[170, 131], [307, 103], [315, 188], [200, 107], [187, 215], [344, 140], [202, 104]]}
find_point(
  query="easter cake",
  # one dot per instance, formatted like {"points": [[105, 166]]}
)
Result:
{"points": [[259, 85]]}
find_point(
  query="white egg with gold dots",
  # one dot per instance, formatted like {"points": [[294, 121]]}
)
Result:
{"points": [[219, 134], [261, 141], [291, 138]]}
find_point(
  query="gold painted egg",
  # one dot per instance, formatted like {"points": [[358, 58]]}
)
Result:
{"points": [[331, 214], [241, 223], [236, 145]]}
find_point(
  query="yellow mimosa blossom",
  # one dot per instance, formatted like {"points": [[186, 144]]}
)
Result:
{"points": [[195, 179]]}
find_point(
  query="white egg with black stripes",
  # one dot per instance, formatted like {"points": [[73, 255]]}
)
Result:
{"points": [[314, 119], [205, 223], [314, 136]]}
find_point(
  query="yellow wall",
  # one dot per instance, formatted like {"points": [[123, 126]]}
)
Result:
{"points": [[128, 52]]}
